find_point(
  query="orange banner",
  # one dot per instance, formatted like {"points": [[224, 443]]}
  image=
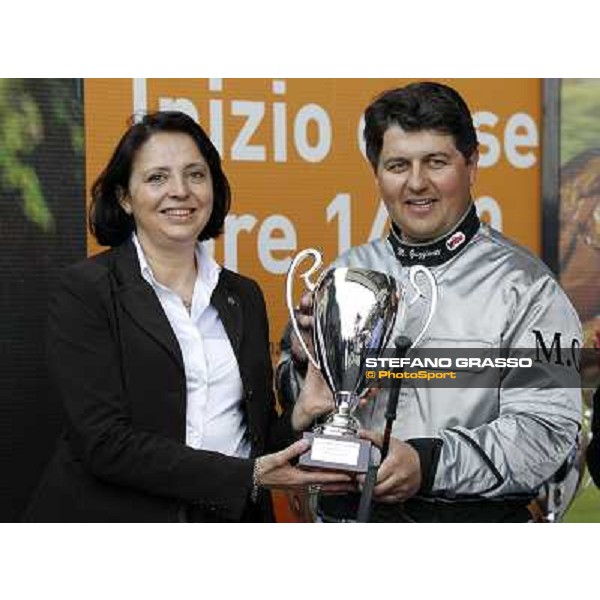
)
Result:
{"points": [[293, 152]]}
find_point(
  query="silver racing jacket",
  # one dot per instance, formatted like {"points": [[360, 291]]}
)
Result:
{"points": [[494, 442]]}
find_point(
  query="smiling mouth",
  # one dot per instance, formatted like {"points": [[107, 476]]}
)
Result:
{"points": [[178, 212], [421, 202]]}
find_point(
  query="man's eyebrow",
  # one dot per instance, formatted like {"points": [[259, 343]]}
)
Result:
{"points": [[436, 154], [395, 157], [400, 157]]}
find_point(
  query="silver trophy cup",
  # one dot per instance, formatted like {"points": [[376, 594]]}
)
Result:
{"points": [[354, 313]]}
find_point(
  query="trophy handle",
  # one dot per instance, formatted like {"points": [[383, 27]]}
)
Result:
{"points": [[419, 293], [310, 286]]}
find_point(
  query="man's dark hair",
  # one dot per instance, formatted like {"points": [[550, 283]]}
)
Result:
{"points": [[107, 220], [419, 106]]}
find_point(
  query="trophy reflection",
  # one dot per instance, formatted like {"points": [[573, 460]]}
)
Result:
{"points": [[354, 313]]}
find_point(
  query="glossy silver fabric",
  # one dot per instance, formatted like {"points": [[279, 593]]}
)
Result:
{"points": [[355, 311], [496, 442]]}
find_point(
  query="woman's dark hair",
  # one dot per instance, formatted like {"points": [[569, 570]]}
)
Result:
{"points": [[107, 220], [419, 106]]}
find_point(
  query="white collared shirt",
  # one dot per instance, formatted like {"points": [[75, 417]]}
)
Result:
{"points": [[214, 417]]}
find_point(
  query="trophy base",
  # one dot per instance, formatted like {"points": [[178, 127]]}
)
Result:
{"points": [[336, 453]]}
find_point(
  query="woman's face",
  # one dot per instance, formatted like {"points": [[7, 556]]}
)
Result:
{"points": [[170, 193]]}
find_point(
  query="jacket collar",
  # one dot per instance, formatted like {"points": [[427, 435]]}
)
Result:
{"points": [[143, 306], [440, 250], [139, 301]]}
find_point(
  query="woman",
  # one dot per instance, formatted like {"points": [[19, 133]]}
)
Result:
{"points": [[161, 356]]}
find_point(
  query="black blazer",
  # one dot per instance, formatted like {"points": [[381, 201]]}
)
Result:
{"points": [[117, 366]]}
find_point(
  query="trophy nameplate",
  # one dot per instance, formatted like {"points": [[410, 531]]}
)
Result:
{"points": [[336, 452]]}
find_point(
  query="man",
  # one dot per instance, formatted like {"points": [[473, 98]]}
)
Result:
{"points": [[474, 454]]}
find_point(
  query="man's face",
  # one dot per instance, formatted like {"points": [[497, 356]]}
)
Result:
{"points": [[424, 181]]}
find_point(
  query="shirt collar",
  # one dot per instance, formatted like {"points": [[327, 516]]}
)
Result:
{"points": [[208, 268]]}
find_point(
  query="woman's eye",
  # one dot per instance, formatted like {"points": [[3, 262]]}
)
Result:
{"points": [[197, 175], [156, 177]]}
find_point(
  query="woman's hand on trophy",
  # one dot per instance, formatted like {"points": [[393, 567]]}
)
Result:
{"points": [[314, 400], [399, 476], [275, 470]]}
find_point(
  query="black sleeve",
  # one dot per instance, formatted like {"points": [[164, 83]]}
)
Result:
{"points": [[280, 432], [428, 450]]}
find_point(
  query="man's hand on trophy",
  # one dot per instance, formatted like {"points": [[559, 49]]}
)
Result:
{"points": [[399, 476], [276, 471], [369, 395], [305, 320], [314, 400]]}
